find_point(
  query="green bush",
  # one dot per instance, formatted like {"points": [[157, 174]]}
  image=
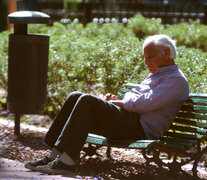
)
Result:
{"points": [[91, 59], [4, 59], [193, 63], [99, 59], [142, 26], [189, 34]]}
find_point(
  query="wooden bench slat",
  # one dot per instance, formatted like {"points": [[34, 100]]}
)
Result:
{"points": [[194, 108], [138, 144], [191, 115], [184, 136], [197, 123], [198, 95], [197, 101], [124, 90], [130, 85], [188, 129]]}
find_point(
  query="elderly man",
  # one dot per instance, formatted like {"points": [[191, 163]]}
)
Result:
{"points": [[144, 113]]}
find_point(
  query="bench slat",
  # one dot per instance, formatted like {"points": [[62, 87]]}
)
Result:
{"points": [[198, 95], [124, 90], [197, 123], [184, 136], [139, 144], [130, 85], [195, 116], [197, 101], [189, 129], [194, 108]]}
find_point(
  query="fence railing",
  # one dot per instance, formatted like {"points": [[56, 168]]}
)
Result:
{"points": [[105, 10]]}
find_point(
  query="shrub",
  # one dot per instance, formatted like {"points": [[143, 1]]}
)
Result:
{"points": [[189, 34], [193, 63], [4, 59], [142, 26], [98, 59], [89, 60]]}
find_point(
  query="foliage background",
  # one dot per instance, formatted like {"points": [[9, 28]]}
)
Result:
{"points": [[100, 58]]}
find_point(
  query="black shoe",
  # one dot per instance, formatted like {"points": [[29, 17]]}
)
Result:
{"points": [[55, 167], [32, 165]]}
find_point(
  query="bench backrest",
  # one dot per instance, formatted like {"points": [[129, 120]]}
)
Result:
{"points": [[191, 122]]}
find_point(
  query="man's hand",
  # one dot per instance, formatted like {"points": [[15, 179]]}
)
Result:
{"points": [[110, 96], [114, 99]]}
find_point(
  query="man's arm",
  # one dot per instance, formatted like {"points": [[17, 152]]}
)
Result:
{"points": [[169, 91]]}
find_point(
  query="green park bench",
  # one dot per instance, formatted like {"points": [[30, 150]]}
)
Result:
{"points": [[184, 142]]}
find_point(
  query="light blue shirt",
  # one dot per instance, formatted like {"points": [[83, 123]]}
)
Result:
{"points": [[158, 99]]}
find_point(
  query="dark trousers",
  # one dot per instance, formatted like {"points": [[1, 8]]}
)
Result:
{"points": [[84, 113]]}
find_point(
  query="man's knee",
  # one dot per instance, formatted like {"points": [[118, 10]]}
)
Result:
{"points": [[87, 99], [74, 94]]}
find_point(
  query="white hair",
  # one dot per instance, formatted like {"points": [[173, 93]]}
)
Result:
{"points": [[162, 40]]}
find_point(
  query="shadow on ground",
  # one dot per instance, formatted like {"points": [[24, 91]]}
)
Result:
{"points": [[29, 147], [112, 169]]}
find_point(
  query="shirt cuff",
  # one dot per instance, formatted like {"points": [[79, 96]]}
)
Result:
{"points": [[128, 105]]}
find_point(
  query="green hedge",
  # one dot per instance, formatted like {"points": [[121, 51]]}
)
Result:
{"points": [[4, 58], [189, 34], [100, 58], [142, 26], [91, 59]]}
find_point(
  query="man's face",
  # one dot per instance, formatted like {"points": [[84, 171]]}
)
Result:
{"points": [[155, 56]]}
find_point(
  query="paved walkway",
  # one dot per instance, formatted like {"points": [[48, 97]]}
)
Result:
{"points": [[10, 170]]}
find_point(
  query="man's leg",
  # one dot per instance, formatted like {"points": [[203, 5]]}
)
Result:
{"points": [[61, 118], [94, 115], [55, 131]]}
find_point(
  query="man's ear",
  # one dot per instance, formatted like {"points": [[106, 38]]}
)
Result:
{"points": [[167, 51]]}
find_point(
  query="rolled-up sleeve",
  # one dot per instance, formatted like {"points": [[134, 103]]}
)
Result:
{"points": [[168, 90]]}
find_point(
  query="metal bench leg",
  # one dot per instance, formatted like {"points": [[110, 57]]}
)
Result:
{"points": [[155, 157], [108, 152], [197, 159]]}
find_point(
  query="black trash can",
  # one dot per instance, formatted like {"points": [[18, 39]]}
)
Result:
{"points": [[28, 66]]}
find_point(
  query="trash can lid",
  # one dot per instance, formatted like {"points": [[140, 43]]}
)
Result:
{"points": [[27, 17]]}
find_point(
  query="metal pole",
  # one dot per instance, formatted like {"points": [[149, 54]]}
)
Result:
{"points": [[17, 124], [205, 14], [88, 11], [20, 5]]}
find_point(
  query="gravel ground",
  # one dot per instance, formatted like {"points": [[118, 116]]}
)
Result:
{"points": [[126, 164]]}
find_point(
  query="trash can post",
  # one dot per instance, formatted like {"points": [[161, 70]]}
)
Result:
{"points": [[17, 123], [20, 29], [27, 66]]}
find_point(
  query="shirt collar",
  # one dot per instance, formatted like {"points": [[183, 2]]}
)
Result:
{"points": [[164, 69]]}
